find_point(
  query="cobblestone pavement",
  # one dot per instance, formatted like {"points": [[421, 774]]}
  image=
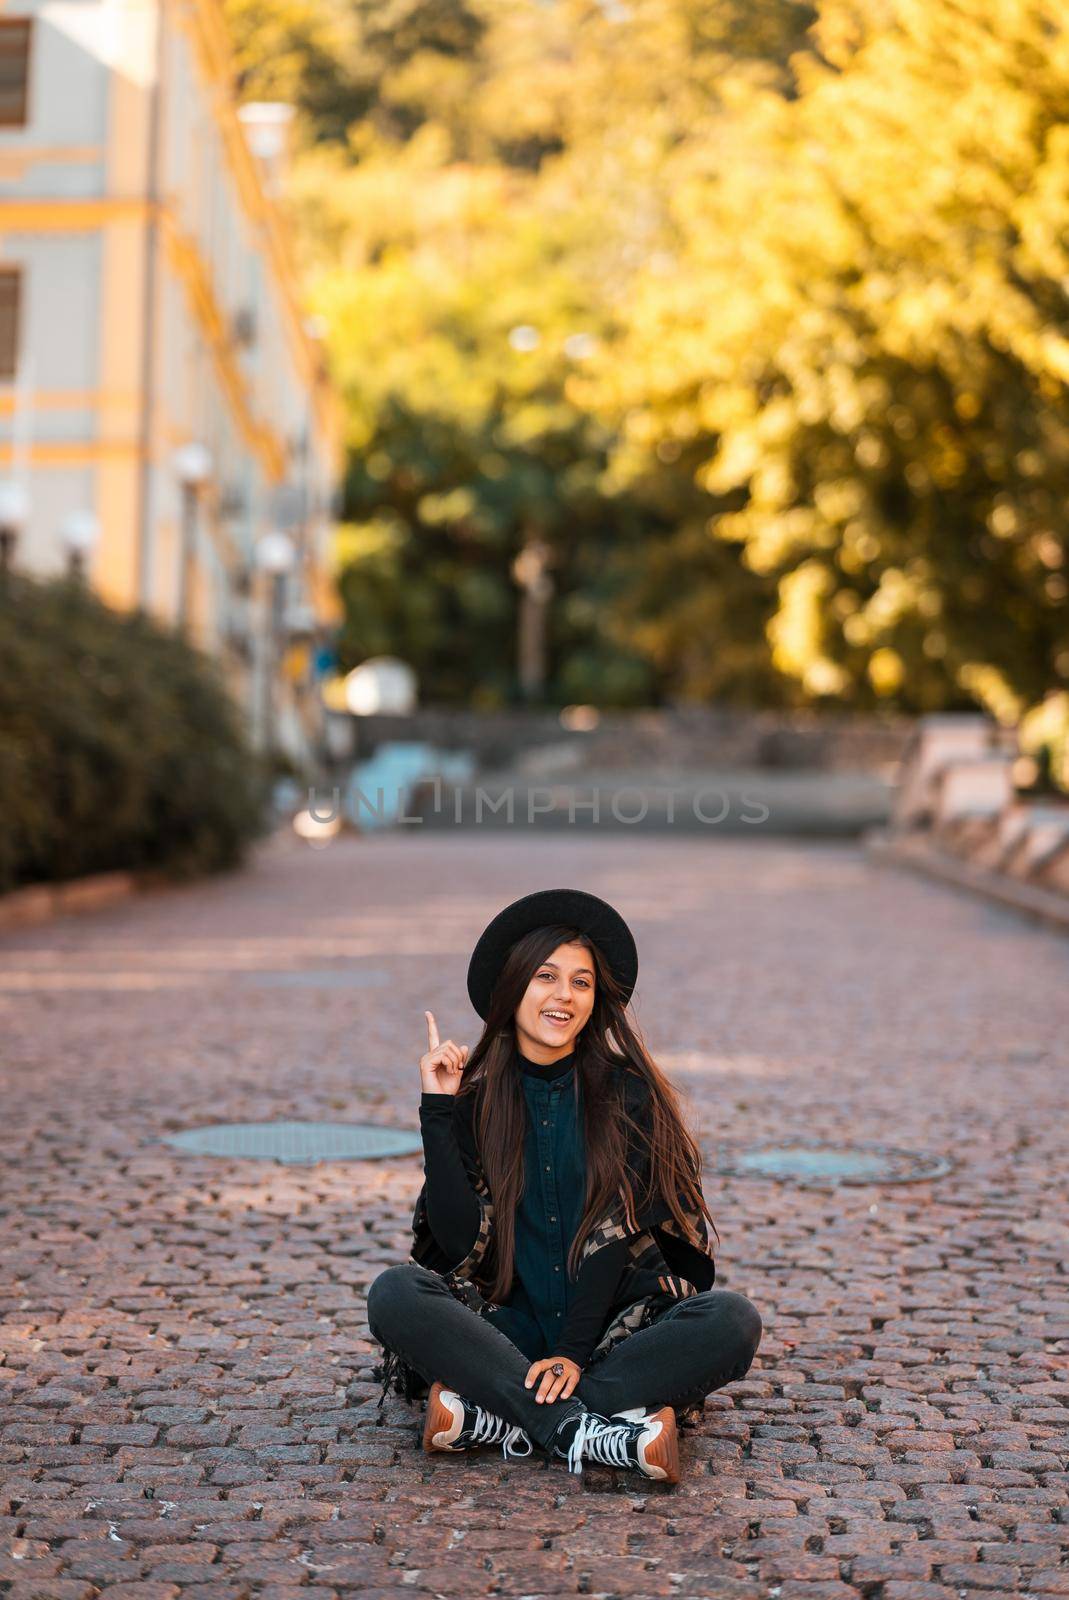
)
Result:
{"points": [[181, 1334]]}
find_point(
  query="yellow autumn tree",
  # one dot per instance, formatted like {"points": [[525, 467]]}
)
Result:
{"points": [[789, 283], [866, 315]]}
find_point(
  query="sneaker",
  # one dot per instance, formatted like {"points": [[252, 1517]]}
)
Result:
{"points": [[454, 1423], [648, 1443]]}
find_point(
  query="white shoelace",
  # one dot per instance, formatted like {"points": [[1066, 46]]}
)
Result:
{"points": [[600, 1441], [490, 1429]]}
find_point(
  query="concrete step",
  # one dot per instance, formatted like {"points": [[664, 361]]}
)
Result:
{"points": [[736, 802]]}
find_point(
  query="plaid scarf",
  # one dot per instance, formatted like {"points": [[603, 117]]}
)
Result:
{"points": [[666, 1263]]}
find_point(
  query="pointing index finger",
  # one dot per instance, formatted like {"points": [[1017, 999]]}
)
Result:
{"points": [[432, 1031]]}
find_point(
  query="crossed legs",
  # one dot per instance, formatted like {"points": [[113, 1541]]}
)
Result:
{"points": [[410, 1309], [696, 1346]]}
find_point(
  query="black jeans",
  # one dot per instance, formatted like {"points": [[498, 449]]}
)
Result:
{"points": [[694, 1347]]}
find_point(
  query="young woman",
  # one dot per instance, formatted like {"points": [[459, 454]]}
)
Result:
{"points": [[559, 1292]]}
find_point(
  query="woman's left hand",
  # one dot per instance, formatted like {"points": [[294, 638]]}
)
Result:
{"points": [[552, 1387]]}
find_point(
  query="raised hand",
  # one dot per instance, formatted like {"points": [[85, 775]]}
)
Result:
{"points": [[441, 1068]]}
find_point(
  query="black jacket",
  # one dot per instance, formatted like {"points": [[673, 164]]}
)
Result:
{"points": [[664, 1265]]}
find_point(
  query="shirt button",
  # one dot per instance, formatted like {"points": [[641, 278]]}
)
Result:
{"points": [[547, 1166], [556, 1269], [552, 1219], [545, 1122]]}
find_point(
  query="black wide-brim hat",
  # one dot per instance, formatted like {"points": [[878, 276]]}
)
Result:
{"points": [[569, 908]]}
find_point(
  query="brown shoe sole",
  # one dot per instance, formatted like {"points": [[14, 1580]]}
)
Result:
{"points": [[663, 1452], [439, 1420]]}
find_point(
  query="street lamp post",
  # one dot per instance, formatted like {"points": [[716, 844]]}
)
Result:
{"points": [[275, 556], [193, 468], [531, 571], [79, 531], [14, 514]]}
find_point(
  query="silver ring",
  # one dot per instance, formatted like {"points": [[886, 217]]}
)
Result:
{"points": [[557, 1369]]}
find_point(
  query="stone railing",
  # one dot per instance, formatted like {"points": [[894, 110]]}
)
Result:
{"points": [[683, 738], [958, 803]]}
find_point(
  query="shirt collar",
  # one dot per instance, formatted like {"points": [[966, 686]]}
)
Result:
{"points": [[547, 1072]]}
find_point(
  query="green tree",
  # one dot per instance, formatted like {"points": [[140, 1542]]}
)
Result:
{"points": [[757, 313]]}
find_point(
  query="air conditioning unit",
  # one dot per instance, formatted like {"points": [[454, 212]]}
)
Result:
{"points": [[233, 501], [237, 638], [243, 327]]}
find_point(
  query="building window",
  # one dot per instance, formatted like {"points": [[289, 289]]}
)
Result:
{"points": [[14, 70], [10, 287]]}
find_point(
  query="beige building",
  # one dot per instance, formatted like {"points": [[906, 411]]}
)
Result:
{"points": [[163, 403]]}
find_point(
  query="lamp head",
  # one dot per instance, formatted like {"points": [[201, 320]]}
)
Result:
{"points": [[14, 505], [276, 553], [193, 464], [80, 531]]}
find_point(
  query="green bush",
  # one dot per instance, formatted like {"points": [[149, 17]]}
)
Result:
{"points": [[120, 746]]}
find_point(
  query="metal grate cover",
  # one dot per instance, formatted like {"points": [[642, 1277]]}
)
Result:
{"points": [[828, 1163], [296, 1144]]}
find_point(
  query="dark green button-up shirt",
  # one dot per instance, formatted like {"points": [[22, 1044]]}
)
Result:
{"points": [[549, 1210], [547, 1312]]}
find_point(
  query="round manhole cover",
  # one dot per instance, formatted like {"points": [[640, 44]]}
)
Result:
{"points": [[297, 1143], [831, 1163]]}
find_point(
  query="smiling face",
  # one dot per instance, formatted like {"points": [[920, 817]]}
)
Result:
{"points": [[557, 1004]]}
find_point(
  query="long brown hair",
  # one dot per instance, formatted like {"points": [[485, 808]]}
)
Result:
{"points": [[608, 1042]]}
